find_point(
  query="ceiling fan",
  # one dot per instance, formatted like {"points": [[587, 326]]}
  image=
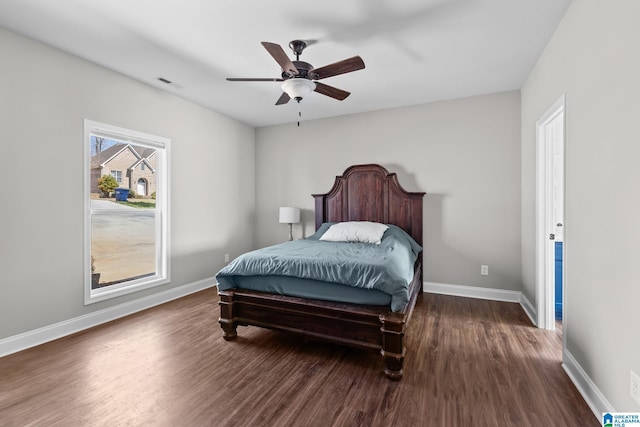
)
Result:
{"points": [[299, 77]]}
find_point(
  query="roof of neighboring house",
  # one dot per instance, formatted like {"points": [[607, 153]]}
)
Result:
{"points": [[145, 161], [106, 155], [145, 152]]}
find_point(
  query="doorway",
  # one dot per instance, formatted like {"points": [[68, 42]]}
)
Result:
{"points": [[550, 246]]}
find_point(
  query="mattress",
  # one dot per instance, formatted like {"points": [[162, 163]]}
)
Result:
{"points": [[313, 268], [313, 289]]}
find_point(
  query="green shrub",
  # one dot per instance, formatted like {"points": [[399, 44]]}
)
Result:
{"points": [[107, 184]]}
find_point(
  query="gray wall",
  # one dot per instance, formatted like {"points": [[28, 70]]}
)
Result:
{"points": [[593, 59], [464, 153], [44, 97]]}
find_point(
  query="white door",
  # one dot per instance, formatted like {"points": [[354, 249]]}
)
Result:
{"points": [[142, 187], [550, 135]]}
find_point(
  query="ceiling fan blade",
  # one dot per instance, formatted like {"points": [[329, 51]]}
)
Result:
{"points": [[242, 79], [340, 67], [331, 91], [284, 98], [281, 58]]}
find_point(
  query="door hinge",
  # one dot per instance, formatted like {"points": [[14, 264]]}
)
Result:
{"points": [[552, 236]]}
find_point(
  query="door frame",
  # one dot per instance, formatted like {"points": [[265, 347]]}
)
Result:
{"points": [[545, 253]]}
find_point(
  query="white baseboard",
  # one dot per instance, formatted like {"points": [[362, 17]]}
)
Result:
{"points": [[472, 292], [587, 388], [28, 339], [529, 309], [483, 293]]}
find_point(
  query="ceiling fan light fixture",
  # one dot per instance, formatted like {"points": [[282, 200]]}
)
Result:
{"points": [[298, 88]]}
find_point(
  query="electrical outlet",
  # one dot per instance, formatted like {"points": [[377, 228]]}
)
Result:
{"points": [[484, 270], [635, 387], [226, 257]]}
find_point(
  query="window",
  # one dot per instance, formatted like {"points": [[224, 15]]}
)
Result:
{"points": [[142, 166], [116, 174], [126, 220]]}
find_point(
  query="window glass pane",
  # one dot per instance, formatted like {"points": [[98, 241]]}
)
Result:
{"points": [[117, 175], [123, 247]]}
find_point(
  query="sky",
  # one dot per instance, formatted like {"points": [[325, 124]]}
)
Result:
{"points": [[105, 144]]}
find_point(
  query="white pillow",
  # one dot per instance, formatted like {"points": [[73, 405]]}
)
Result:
{"points": [[355, 231]]}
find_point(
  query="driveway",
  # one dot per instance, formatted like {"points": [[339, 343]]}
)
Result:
{"points": [[108, 204], [123, 246]]}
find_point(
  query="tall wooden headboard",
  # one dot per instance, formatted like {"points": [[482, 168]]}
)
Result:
{"points": [[371, 193]]}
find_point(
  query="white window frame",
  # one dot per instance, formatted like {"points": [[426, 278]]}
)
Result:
{"points": [[162, 232]]}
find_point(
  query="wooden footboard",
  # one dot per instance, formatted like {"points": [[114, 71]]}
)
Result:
{"points": [[366, 327]]}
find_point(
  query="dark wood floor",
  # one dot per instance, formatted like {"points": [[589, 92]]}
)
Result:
{"points": [[469, 363]]}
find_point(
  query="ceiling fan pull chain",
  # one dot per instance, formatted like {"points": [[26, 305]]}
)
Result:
{"points": [[299, 115]]}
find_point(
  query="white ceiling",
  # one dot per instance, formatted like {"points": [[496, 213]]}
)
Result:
{"points": [[415, 51]]}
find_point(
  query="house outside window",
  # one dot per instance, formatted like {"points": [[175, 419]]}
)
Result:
{"points": [[126, 220]]}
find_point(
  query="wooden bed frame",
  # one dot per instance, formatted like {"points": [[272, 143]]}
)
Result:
{"points": [[361, 193]]}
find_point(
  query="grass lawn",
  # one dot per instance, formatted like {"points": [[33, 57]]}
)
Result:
{"points": [[146, 203]]}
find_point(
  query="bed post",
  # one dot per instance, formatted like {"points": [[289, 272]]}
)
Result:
{"points": [[226, 315], [393, 350]]}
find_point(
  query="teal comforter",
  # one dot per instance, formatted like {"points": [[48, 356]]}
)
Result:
{"points": [[387, 267]]}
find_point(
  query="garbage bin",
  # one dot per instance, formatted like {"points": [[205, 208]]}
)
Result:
{"points": [[122, 194]]}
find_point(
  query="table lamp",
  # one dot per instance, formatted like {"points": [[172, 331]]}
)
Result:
{"points": [[289, 215]]}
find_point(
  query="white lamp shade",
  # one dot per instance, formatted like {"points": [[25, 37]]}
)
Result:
{"points": [[289, 215], [298, 87]]}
